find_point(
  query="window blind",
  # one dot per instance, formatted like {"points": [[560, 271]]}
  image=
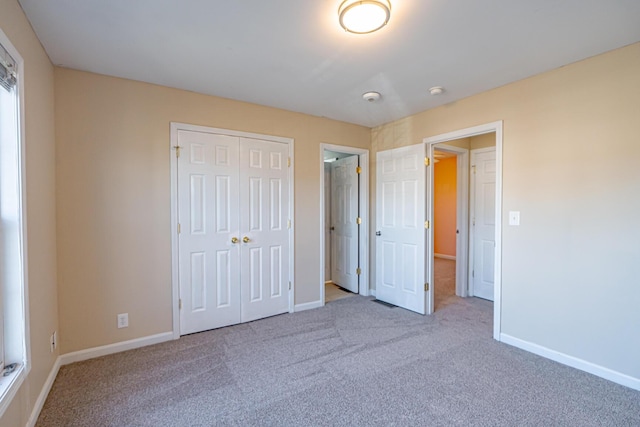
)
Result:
{"points": [[8, 70]]}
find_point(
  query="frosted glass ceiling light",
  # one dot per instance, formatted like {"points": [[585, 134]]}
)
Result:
{"points": [[362, 17]]}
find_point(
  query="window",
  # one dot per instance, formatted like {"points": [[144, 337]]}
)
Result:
{"points": [[14, 361]]}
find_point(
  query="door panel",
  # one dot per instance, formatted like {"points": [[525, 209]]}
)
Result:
{"points": [[208, 214], [400, 247], [264, 191], [344, 211], [483, 223]]}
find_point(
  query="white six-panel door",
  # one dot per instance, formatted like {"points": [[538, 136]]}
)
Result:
{"points": [[344, 231], [401, 214], [264, 198], [208, 206], [230, 188], [483, 222]]}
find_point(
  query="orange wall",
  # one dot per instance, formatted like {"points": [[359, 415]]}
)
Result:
{"points": [[444, 219]]}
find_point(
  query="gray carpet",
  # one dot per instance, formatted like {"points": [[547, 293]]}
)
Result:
{"points": [[352, 362]]}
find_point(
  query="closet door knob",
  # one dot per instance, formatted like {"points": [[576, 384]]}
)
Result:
{"points": [[246, 239], [234, 240]]}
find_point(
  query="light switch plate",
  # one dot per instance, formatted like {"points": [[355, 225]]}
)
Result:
{"points": [[514, 217]]}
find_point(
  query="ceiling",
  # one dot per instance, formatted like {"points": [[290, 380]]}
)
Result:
{"points": [[292, 54]]}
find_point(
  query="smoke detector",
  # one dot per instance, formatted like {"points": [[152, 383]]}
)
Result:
{"points": [[371, 96], [436, 90]]}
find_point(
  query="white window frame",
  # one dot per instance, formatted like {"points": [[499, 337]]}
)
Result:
{"points": [[10, 384]]}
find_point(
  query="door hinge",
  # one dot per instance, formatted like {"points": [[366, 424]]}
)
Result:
{"points": [[427, 224], [289, 285], [289, 162], [358, 271], [426, 287], [427, 161], [473, 169], [473, 273], [288, 223], [358, 220], [178, 228], [177, 148], [180, 304], [358, 169]]}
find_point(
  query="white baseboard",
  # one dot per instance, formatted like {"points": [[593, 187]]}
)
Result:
{"points": [[574, 362], [42, 397], [308, 306], [104, 350], [443, 256]]}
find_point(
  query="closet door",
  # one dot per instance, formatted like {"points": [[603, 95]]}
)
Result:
{"points": [[208, 213], [233, 203], [264, 202]]}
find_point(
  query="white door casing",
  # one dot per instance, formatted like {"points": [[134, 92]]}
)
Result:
{"points": [[400, 245], [230, 187], [344, 228], [264, 199], [483, 222]]}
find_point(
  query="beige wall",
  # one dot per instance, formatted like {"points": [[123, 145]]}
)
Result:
{"points": [[570, 167], [482, 141], [113, 197], [41, 215]]}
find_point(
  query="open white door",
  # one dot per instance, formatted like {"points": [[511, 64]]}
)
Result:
{"points": [[483, 222], [401, 234], [344, 227]]}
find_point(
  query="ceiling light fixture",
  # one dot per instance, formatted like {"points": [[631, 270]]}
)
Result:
{"points": [[436, 90], [363, 17]]}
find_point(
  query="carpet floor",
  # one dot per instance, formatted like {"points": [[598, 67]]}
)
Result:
{"points": [[352, 362]]}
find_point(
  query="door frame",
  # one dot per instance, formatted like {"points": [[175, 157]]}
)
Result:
{"points": [[465, 133], [363, 251], [462, 215], [175, 265]]}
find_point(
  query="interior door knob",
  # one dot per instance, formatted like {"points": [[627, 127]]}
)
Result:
{"points": [[234, 240], [246, 239]]}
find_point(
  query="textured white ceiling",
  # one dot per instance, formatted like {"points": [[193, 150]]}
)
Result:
{"points": [[292, 54]]}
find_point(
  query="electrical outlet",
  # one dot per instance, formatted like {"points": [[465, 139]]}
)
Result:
{"points": [[123, 320], [55, 339], [52, 341]]}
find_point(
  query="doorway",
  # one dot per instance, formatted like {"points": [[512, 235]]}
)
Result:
{"points": [[489, 138], [464, 197], [451, 213], [344, 222]]}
